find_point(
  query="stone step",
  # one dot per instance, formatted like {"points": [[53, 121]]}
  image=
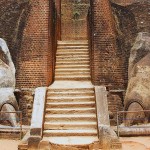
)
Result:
{"points": [[67, 78], [67, 117], [72, 42], [72, 59], [68, 94], [82, 54], [71, 105], [71, 53], [70, 110], [73, 50], [82, 132], [72, 66], [72, 125], [71, 93], [72, 70], [73, 63], [70, 90], [23, 146], [72, 74], [72, 46], [71, 99]]}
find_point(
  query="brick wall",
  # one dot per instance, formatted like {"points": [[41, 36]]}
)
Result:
{"points": [[74, 19], [106, 63], [35, 58]]}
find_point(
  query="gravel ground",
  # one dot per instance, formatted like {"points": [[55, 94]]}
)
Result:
{"points": [[128, 143], [9, 144]]}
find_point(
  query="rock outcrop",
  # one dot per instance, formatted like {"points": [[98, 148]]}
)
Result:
{"points": [[13, 14], [138, 92], [7, 85], [7, 69]]}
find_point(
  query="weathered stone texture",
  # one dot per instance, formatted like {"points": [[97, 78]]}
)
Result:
{"points": [[115, 104], [13, 16], [25, 100], [137, 95], [8, 101], [139, 76], [131, 17], [126, 30], [125, 2], [141, 11]]}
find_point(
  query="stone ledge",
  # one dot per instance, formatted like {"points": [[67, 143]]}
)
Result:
{"points": [[38, 112], [127, 131]]}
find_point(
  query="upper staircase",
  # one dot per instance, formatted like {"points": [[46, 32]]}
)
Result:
{"points": [[72, 61], [70, 114]]}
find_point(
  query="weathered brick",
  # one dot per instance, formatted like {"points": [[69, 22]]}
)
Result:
{"points": [[35, 59]]}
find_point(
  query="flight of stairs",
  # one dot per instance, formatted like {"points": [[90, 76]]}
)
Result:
{"points": [[72, 61], [70, 114]]}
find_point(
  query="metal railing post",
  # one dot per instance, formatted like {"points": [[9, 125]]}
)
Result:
{"points": [[20, 125], [118, 124]]}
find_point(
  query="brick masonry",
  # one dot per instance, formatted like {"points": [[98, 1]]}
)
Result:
{"points": [[74, 19], [35, 59], [107, 65]]}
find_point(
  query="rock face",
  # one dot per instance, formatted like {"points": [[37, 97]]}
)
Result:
{"points": [[7, 69], [7, 84], [138, 91], [13, 14], [131, 17]]}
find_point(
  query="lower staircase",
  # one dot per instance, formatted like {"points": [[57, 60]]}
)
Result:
{"points": [[70, 115], [69, 120]]}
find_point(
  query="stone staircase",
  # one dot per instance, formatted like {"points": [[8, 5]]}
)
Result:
{"points": [[70, 114], [72, 61]]}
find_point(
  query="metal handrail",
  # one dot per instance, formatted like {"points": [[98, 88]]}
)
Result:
{"points": [[123, 119]]}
